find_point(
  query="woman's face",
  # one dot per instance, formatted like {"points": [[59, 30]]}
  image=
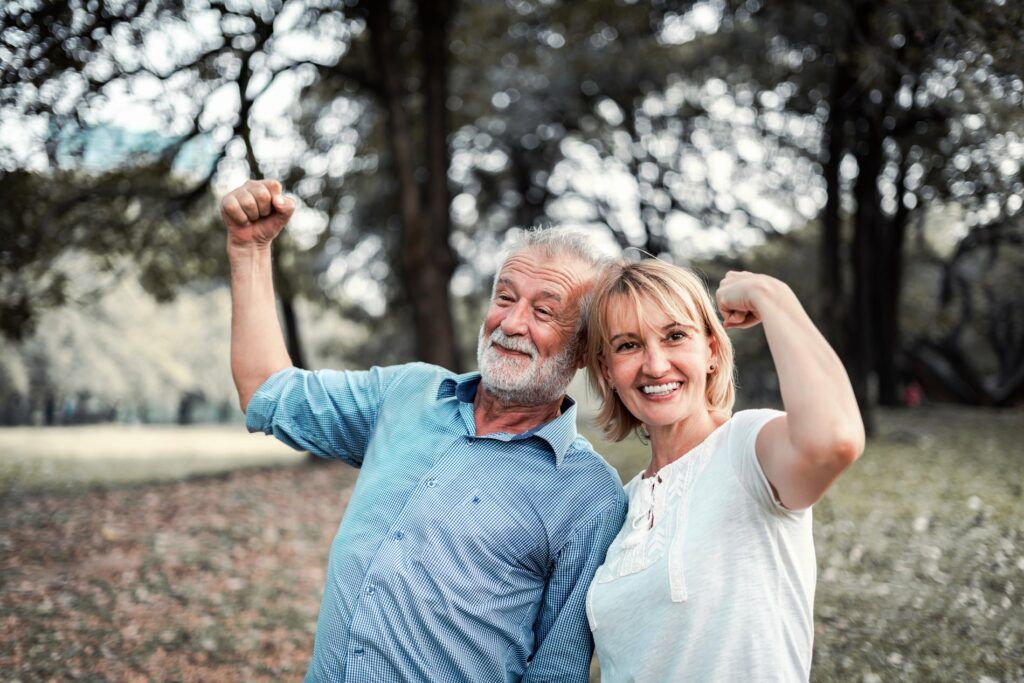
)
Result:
{"points": [[659, 371]]}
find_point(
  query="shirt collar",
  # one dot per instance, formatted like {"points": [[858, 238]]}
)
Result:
{"points": [[558, 433]]}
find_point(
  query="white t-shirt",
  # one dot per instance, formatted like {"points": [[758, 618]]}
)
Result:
{"points": [[721, 587]]}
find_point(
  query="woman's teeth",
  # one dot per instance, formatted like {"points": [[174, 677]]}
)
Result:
{"points": [[660, 389]]}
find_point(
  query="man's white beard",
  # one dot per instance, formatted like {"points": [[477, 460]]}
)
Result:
{"points": [[514, 380]]}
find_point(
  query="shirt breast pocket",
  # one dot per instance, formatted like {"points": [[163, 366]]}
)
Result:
{"points": [[478, 547], [486, 526]]}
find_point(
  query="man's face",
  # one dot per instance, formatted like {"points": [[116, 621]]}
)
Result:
{"points": [[528, 350]]}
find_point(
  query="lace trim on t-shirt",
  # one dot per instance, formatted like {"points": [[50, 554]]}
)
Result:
{"points": [[640, 544]]}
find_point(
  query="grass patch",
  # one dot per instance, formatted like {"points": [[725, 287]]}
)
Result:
{"points": [[920, 553], [34, 459]]}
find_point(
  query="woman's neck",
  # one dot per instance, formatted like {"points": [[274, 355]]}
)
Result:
{"points": [[671, 442]]}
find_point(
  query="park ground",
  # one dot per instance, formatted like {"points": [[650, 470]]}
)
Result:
{"points": [[132, 554]]}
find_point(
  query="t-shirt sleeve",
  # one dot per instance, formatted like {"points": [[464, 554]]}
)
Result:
{"points": [[744, 428], [330, 413]]}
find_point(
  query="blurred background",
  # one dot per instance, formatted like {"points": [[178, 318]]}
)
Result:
{"points": [[868, 153]]}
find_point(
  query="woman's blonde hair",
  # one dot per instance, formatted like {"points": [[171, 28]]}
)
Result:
{"points": [[682, 295]]}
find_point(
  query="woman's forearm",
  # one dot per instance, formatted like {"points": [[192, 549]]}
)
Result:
{"points": [[823, 417]]}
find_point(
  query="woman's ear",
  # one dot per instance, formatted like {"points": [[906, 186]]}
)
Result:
{"points": [[606, 374], [712, 354]]}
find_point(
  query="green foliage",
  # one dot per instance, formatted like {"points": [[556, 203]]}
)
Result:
{"points": [[52, 219], [683, 128]]}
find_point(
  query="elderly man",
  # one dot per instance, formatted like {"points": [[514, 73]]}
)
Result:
{"points": [[479, 515]]}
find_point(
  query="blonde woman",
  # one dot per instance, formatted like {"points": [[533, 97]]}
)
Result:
{"points": [[712, 576]]}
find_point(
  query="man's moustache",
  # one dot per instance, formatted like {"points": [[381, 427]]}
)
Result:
{"points": [[513, 344]]}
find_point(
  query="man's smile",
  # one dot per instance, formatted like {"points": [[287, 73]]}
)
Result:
{"points": [[505, 351]]}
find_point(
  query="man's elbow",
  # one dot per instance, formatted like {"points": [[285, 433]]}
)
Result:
{"points": [[246, 386]]}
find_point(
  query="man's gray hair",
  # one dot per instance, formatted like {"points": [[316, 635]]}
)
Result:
{"points": [[569, 244], [559, 243]]}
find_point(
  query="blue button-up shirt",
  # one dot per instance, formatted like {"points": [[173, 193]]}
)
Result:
{"points": [[459, 557]]}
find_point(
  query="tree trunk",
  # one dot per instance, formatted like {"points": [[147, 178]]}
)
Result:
{"points": [[832, 295], [426, 259], [887, 296], [865, 246], [289, 318], [433, 311]]}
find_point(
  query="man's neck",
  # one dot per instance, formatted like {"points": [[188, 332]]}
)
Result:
{"points": [[492, 416]]}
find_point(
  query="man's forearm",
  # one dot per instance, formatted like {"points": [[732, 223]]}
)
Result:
{"points": [[257, 344]]}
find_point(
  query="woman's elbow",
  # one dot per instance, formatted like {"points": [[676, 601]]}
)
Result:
{"points": [[846, 451], [838, 450]]}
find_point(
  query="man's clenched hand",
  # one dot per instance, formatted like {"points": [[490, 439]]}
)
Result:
{"points": [[255, 213]]}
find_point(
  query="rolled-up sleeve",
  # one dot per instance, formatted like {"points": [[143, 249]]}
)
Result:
{"points": [[564, 643], [330, 413]]}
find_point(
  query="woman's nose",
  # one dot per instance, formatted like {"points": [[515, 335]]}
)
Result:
{"points": [[655, 362]]}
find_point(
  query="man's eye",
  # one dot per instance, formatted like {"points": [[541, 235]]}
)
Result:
{"points": [[544, 312]]}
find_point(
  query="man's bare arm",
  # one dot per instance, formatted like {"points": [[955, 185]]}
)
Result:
{"points": [[254, 214]]}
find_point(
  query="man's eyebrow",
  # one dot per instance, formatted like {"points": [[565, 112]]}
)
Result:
{"points": [[543, 294]]}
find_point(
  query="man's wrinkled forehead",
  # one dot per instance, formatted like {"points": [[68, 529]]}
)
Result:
{"points": [[572, 273]]}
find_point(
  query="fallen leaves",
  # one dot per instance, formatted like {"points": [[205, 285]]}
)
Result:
{"points": [[207, 579]]}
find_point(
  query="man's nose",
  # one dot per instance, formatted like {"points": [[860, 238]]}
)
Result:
{"points": [[515, 320]]}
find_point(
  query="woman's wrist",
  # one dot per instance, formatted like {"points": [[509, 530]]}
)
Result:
{"points": [[767, 291]]}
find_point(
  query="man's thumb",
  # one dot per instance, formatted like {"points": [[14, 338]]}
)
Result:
{"points": [[283, 204]]}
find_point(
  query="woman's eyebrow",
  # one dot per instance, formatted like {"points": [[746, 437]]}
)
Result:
{"points": [[621, 334]]}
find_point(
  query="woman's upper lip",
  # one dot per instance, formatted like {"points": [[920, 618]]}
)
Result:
{"points": [[660, 382]]}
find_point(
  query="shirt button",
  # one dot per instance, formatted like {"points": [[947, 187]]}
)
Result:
{"points": [[431, 482], [358, 651], [371, 590], [399, 535]]}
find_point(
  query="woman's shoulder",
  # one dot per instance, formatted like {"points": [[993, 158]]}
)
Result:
{"points": [[751, 419]]}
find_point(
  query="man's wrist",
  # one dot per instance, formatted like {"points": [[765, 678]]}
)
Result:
{"points": [[247, 250]]}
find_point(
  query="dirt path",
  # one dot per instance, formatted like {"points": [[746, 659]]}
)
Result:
{"points": [[203, 580]]}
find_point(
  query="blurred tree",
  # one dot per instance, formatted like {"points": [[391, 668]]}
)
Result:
{"points": [[119, 353], [415, 133], [972, 348], [215, 73], [916, 104], [49, 220]]}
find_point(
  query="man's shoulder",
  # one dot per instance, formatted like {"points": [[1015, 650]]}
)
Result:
{"points": [[411, 376], [595, 468]]}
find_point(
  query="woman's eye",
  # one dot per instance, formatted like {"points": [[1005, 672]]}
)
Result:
{"points": [[625, 346], [677, 336]]}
